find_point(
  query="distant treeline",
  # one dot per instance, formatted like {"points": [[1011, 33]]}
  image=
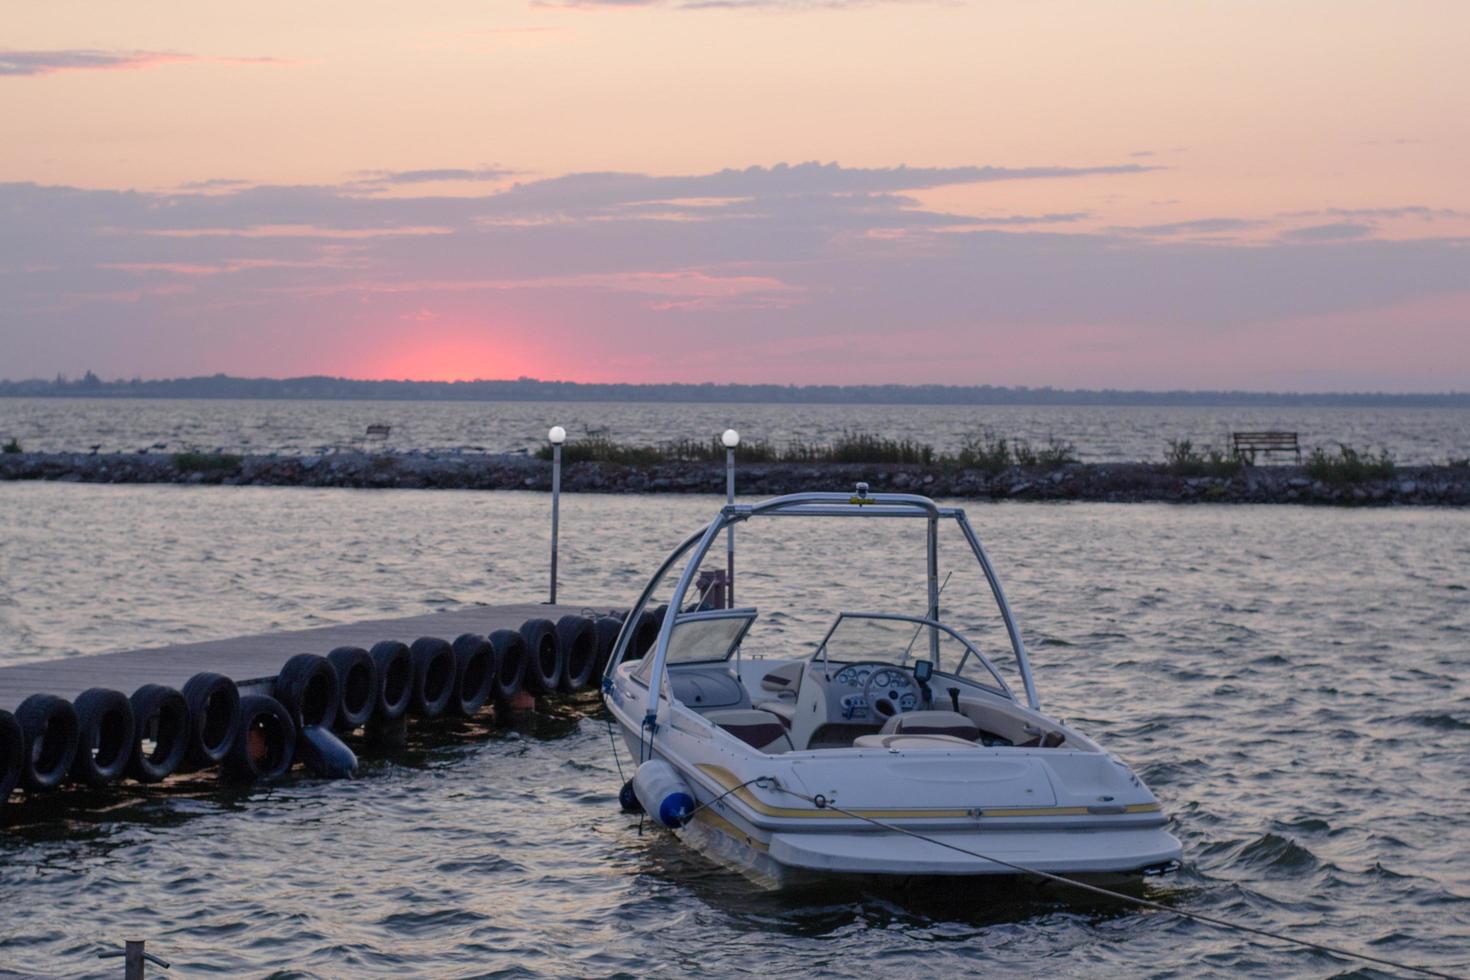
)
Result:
{"points": [[531, 389]]}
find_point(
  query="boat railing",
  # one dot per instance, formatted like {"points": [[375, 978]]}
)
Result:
{"points": [[861, 503]]}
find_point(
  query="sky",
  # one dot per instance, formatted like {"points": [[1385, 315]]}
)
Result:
{"points": [[1081, 193]]}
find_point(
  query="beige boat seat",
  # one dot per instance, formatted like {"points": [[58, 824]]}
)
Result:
{"points": [[757, 728], [950, 723], [898, 743], [783, 682], [783, 710], [1010, 722], [783, 679]]}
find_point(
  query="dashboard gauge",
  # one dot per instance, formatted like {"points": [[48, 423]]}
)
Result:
{"points": [[881, 679], [908, 702], [845, 676], [862, 675]]}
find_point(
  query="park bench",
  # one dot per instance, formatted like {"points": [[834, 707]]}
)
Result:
{"points": [[1247, 444]]}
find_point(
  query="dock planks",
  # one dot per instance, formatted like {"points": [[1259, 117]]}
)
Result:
{"points": [[253, 661]]}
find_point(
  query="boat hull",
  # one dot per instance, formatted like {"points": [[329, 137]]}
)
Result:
{"points": [[807, 860], [784, 843]]}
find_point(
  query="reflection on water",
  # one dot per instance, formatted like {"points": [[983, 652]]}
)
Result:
{"points": [[1291, 682]]}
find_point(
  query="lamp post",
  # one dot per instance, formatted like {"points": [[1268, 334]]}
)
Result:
{"points": [[730, 439], [557, 436]]}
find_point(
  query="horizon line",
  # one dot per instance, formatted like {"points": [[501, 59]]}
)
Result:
{"points": [[90, 381]]}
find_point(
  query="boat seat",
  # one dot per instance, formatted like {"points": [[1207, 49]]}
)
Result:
{"points": [[759, 729], [784, 679], [1009, 724], [784, 710], [932, 723], [783, 682], [897, 743]]}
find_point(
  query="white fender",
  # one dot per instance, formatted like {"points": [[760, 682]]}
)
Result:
{"points": [[665, 796]]}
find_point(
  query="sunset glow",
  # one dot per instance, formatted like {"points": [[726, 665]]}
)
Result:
{"points": [[1065, 192], [445, 352]]}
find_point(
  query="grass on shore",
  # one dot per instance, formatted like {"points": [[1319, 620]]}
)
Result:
{"points": [[11, 447], [600, 449], [984, 452], [993, 454], [1182, 459], [1348, 465], [860, 447], [207, 462]]}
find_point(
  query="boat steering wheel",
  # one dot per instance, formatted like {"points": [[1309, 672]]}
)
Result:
{"points": [[883, 698]]}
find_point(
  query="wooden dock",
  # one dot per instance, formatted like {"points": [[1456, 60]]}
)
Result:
{"points": [[253, 661]]}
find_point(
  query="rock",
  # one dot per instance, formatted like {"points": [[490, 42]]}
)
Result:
{"points": [[1440, 485]]}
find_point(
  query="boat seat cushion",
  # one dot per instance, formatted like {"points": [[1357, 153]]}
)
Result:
{"points": [[756, 728], [932, 723], [1009, 723], [901, 742], [783, 679], [784, 710]]}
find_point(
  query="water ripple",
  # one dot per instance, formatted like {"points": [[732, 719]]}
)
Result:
{"points": [[1304, 721]]}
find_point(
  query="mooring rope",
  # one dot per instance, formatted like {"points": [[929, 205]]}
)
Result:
{"points": [[614, 740], [822, 803], [734, 789]]}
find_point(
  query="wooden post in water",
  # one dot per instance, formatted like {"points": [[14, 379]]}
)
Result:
{"points": [[133, 959], [134, 956]]}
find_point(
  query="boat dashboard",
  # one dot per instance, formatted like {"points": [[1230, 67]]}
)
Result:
{"points": [[852, 685]]}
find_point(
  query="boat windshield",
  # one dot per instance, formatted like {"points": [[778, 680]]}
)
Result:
{"points": [[876, 639], [890, 638], [709, 636]]}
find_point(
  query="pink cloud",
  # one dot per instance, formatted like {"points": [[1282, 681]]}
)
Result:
{"points": [[291, 231], [26, 63], [824, 273], [678, 284], [226, 266]]}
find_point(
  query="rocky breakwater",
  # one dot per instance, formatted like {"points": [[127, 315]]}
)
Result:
{"points": [[1122, 482]]}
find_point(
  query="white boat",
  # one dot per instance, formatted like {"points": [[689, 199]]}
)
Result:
{"points": [[874, 755]]}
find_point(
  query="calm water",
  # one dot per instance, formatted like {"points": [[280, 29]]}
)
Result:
{"points": [[1104, 433], [1291, 682]]}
